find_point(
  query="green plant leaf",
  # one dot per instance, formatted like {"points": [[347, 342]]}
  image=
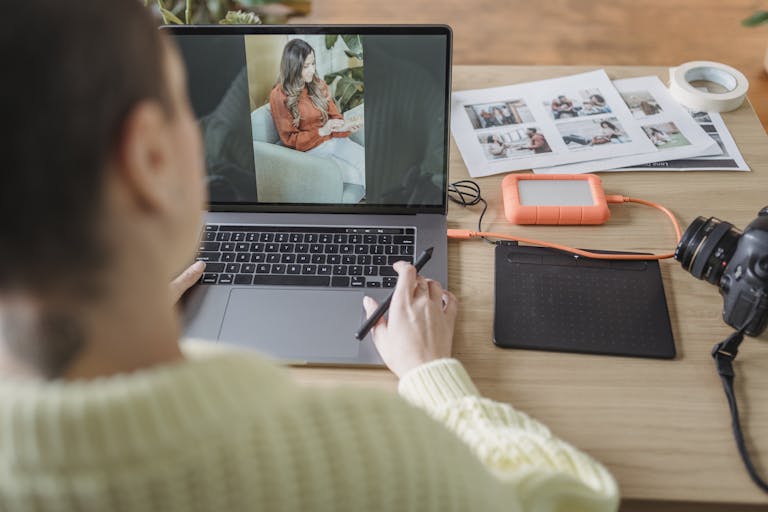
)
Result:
{"points": [[354, 43], [330, 40], [169, 16], [758, 18]]}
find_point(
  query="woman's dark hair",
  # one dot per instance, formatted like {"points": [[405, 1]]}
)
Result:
{"points": [[290, 80], [609, 124], [70, 77]]}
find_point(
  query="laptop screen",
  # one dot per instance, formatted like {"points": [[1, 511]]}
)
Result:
{"points": [[334, 119]]}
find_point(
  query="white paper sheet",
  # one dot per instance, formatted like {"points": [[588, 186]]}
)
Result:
{"points": [[550, 122], [664, 121], [730, 158]]}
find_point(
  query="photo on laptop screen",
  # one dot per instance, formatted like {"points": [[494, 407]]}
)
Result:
{"points": [[321, 119], [310, 89]]}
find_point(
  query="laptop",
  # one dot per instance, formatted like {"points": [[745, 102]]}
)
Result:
{"points": [[327, 161]]}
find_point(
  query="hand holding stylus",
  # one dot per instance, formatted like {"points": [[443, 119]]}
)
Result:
{"points": [[420, 324]]}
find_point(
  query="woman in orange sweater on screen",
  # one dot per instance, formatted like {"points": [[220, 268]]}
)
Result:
{"points": [[306, 117]]}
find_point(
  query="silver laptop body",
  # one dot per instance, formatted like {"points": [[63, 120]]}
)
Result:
{"points": [[300, 229]]}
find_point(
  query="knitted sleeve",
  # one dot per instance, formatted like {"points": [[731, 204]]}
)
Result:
{"points": [[545, 470]]}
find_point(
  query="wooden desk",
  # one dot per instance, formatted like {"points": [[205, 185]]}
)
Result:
{"points": [[662, 427]]}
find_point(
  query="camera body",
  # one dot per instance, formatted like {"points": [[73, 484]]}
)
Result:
{"points": [[736, 262]]}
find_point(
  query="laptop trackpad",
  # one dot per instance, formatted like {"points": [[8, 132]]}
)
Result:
{"points": [[293, 324]]}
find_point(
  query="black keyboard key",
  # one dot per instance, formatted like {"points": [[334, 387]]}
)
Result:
{"points": [[285, 247], [404, 239], [364, 259], [291, 280], [331, 249], [392, 259], [324, 269], [233, 268], [369, 239], [371, 270], [272, 247], [262, 268], [309, 269], [208, 256], [282, 237], [318, 259], [288, 258], [387, 271], [339, 270], [273, 258], [333, 259], [316, 248], [214, 268], [248, 268], [384, 239], [406, 249], [226, 278], [340, 281], [357, 282], [391, 249], [228, 247], [209, 246], [266, 237], [389, 282], [209, 236], [243, 257], [211, 227], [361, 249], [348, 259], [210, 279], [252, 237], [377, 249], [293, 269], [243, 279], [346, 249], [223, 237], [228, 256], [277, 268], [379, 260], [373, 284], [340, 239], [238, 237], [242, 247], [297, 238], [355, 270], [310, 238], [302, 248], [325, 238], [257, 247], [258, 257], [355, 239]]}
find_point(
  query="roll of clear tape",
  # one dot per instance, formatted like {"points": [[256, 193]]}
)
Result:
{"points": [[732, 80]]}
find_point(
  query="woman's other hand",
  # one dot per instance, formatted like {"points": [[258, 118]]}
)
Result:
{"points": [[186, 280], [330, 126], [420, 324]]}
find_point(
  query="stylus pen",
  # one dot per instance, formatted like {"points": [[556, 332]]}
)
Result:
{"points": [[384, 306]]}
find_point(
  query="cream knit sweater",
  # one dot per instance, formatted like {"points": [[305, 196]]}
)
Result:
{"points": [[230, 431]]}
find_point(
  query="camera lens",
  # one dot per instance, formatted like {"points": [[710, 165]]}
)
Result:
{"points": [[706, 248]]}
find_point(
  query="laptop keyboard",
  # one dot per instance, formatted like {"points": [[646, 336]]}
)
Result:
{"points": [[358, 257]]}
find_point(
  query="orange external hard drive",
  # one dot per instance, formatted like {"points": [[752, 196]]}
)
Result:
{"points": [[554, 199]]}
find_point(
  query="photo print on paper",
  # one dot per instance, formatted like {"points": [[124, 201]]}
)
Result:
{"points": [[641, 103], [501, 113], [665, 135], [586, 102], [514, 143], [593, 132]]}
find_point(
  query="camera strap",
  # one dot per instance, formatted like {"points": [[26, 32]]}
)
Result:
{"points": [[724, 353]]}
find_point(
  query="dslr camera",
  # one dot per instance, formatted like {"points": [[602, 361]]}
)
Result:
{"points": [[734, 261]]}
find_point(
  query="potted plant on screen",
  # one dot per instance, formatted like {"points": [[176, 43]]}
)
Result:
{"points": [[240, 12]]}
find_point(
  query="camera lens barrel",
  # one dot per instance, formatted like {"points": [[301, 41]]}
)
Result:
{"points": [[706, 248]]}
